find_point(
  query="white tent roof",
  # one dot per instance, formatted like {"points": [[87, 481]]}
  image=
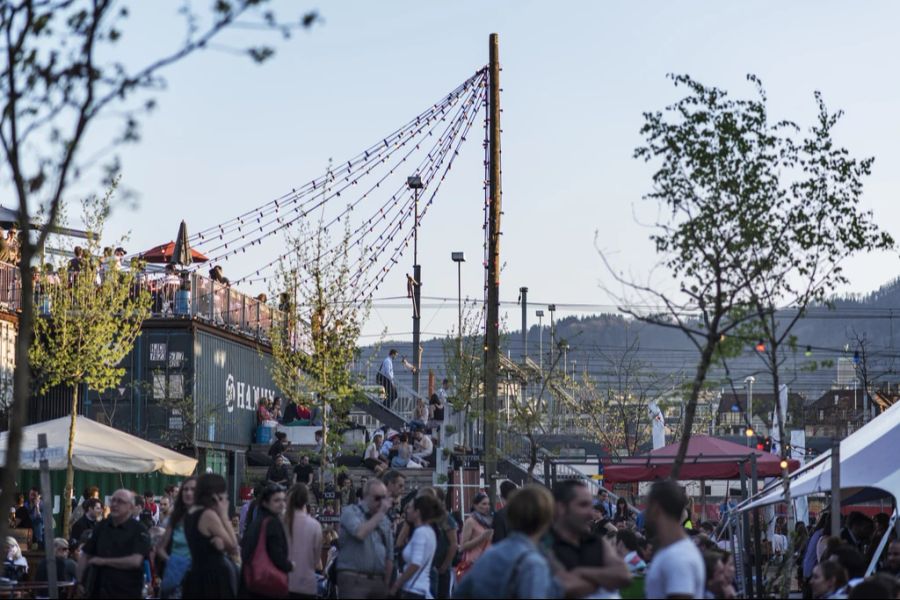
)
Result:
{"points": [[868, 460], [98, 448]]}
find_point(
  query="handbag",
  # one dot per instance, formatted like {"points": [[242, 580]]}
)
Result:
{"points": [[463, 567], [261, 576]]}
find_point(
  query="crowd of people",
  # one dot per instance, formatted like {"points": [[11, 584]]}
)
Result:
{"points": [[382, 540]]}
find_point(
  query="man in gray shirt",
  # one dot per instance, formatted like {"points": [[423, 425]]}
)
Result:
{"points": [[366, 545]]}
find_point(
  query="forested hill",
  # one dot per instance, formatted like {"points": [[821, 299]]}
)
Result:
{"points": [[869, 324]]}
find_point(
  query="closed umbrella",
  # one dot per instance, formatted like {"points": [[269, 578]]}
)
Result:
{"points": [[182, 254]]}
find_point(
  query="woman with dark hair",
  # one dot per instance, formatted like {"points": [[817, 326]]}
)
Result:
{"points": [[305, 535], [478, 530], [418, 554], [267, 523], [173, 548], [623, 513], [210, 536]]}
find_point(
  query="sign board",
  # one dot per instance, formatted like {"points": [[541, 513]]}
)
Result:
{"points": [[329, 519], [47, 454]]}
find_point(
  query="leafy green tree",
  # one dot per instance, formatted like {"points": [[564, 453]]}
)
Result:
{"points": [[314, 349], [815, 224], [89, 328], [61, 71], [713, 156]]}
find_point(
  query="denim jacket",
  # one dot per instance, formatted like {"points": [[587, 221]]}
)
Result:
{"points": [[513, 568]]}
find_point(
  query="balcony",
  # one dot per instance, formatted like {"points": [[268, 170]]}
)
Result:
{"points": [[194, 297]]}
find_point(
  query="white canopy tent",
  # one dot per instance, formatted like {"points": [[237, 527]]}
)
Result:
{"points": [[98, 448], [867, 460]]}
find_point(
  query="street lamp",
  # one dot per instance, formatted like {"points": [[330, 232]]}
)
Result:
{"points": [[459, 258], [415, 184], [552, 309], [540, 315], [750, 380]]}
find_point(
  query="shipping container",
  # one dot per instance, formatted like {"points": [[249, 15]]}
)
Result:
{"points": [[229, 380]]}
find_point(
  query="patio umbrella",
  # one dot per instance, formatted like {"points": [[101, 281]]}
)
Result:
{"points": [[163, 254], [182, 254]]}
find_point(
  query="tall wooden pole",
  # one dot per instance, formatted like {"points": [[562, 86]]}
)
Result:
{"points": [[492, 324]]}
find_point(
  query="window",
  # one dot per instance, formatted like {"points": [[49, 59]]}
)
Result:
{"points": [[159, 385], [821, 415], [176, 386], [157, 353], [176, 359]]}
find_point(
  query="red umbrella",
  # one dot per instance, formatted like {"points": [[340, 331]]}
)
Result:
{"points": [[707, 458], [163, 254]]}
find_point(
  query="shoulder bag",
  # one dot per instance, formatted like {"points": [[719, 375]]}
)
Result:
{"points": [[261, 576]]}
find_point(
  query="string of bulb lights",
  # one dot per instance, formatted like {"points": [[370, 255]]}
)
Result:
{"points": [[377, 152], [437, 132]]}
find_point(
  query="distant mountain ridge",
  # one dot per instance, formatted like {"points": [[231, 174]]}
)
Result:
{"points": [[825, 336]]}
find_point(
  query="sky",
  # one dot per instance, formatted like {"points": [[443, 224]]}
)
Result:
{"points": [[230, 135]]}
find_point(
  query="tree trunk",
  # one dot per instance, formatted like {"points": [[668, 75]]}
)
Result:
{"points": [[70, 469], [9, 475], [691, 409], [785, 474]]}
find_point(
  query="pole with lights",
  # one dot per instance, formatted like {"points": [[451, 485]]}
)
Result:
{"points": [[459, 258], [415, 184]]}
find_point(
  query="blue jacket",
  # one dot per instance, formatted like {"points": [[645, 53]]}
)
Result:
{"points": [[513, 568]]}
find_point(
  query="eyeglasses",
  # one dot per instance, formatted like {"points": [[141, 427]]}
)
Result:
{"points": [[115, 500], [379, 498]]}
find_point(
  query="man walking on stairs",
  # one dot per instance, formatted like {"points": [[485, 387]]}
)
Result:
{"points": [[385, 378]]}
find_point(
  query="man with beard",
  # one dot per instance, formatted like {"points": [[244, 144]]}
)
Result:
{"points": [[581, 553]]}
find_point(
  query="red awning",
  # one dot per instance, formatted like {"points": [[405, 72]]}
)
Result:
{"points": [[163, 254], [707, 458]]}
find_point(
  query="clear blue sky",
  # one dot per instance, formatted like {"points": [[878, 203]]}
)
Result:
{"points": [[230, 135]]}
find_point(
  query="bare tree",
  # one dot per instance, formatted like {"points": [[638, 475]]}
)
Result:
{"points": [[614, 405]]}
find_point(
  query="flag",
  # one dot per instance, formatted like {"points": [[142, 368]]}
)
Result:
{"points": [[779, 413], [658, 425]]}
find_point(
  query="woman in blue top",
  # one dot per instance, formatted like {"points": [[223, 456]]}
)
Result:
{"points": [[173, 548], [515, 567]]}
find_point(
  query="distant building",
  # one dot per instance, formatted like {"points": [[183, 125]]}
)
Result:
{"points": [[836, 413], [731, 418]]}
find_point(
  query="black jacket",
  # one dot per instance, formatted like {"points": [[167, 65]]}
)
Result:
{"points": [[276, 540]]}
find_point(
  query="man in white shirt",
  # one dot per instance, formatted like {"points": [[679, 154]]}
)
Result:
{"points": [[677, 569], [385, 378]]}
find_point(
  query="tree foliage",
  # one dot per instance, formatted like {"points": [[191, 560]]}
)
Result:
{"points": [[62, 70], [314, 348], [90, 324]]}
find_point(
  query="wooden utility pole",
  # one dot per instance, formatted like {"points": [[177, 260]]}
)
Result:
{"points": [[492, 324]]}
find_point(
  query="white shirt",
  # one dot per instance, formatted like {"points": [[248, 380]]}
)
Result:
{"points": [[420, 551], [677, 569], [387, 368], [779, 543], [425, 446]]}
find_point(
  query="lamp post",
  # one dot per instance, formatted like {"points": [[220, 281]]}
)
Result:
{"points": [[459, 258], [540, 315], [552, 309], [415, 184], [750, 380]]}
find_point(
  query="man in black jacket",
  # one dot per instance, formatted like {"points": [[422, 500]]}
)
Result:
{"points": [[93, 514]]}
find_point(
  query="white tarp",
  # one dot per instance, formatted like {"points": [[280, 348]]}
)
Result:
{"points": [[99, 448], [868, 460]]}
